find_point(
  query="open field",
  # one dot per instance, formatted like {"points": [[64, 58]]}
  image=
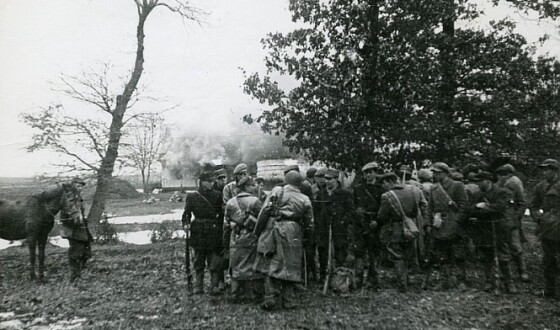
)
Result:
{"points": [[144, 287]]}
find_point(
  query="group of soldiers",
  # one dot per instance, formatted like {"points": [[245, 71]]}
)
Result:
{"points": [[267, 243]]}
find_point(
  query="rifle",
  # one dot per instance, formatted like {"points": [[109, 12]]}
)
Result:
{"points": [[188, 262], [329, 261], [497, 281], [429, 261]]}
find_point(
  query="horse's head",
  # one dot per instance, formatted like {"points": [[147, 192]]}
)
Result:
{"points": [[71, 204]]}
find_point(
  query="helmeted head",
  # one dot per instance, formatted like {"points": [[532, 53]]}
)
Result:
{"points": [[293, 178], [240, 171], [440, 171], [220, 176], [371, 172], [290, 168], [550, 168], [246, 184], [205, 179], [425, 175], [320, 176], [484, 180]]}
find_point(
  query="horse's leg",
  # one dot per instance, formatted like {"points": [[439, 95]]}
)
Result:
{"points": [[42, 242], [31, 243]]}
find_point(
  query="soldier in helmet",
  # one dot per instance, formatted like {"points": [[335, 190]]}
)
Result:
{"points": [[281, 266]]}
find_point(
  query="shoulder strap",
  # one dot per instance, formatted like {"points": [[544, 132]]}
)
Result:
{"points": [[204, 198], [398, 202]]}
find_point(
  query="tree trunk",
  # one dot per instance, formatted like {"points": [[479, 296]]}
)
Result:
{"points": [[105, 173], [448, 82]]}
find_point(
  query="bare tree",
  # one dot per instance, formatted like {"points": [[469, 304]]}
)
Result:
{"points": [[148, 140], [92, 89]]}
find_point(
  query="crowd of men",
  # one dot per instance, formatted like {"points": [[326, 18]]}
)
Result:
{"points": [[269, 244]]}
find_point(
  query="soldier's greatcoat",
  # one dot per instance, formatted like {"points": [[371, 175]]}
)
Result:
{"points": [[295, 221], [239, 237]]}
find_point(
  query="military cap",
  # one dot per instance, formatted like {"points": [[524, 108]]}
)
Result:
{"points": [[246, 181], [311, 172], [293, 178], [471, 176], [240, 168], [507, 168], [551, 163], [220, 173], [484, 175], [259, 179], [79, 181], [440, 167], [289, 168], [425, 174], [389, 177], [370, 166], [405, 169], [205, 176], [332, 173], [457, 176], [321, 172]]}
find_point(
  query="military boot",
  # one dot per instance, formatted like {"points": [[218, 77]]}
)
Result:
{"points": [[522, 268], [491, 278], [199, 282], [75, 271], [508, 277], [359, 273], [402, 276], [214, 283]]}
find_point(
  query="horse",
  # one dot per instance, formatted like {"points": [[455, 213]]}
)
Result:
{"points": [[33, 219]]}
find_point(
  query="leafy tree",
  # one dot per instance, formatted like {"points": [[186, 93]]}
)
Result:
{"points": [[92, 91], [394, 80]]}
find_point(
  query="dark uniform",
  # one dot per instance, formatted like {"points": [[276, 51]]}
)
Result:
{"points": [[78, 235], [341, 214], [367, 197], [206, 233], [489, 228], [401, 251], [545, 211]]}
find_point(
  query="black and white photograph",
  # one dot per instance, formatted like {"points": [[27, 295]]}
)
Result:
{"points": [[279, 164]]}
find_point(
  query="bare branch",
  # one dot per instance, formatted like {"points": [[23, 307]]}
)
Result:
{"points": [[187, 13]]}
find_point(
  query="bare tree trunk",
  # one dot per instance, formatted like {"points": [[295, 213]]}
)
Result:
{"points": [[105, 172]]}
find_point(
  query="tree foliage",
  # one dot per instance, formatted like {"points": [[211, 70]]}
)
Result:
{"points": [[396, 81]]}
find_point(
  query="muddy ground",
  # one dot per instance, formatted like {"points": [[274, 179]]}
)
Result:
{"points": [[144, 287]]}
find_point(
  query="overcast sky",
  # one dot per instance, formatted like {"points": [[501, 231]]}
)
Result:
{"points": [[195, 67]]}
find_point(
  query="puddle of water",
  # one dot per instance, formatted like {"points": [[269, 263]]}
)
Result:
{"points": [[150, 218], [137, 237]]}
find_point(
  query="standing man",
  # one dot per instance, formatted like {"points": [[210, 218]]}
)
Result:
{"points": [[206, 232], [514, 216], [341, 216], [367, 199], [448, 199], [544, 211], [239, 172], [292, 225], [240, 243], [487, 210], [220, 181], [321, 231], [390, 215], [78, 235]]}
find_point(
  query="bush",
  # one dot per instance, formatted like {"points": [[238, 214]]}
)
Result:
{"points": [[163, 232], [106, 233]]}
